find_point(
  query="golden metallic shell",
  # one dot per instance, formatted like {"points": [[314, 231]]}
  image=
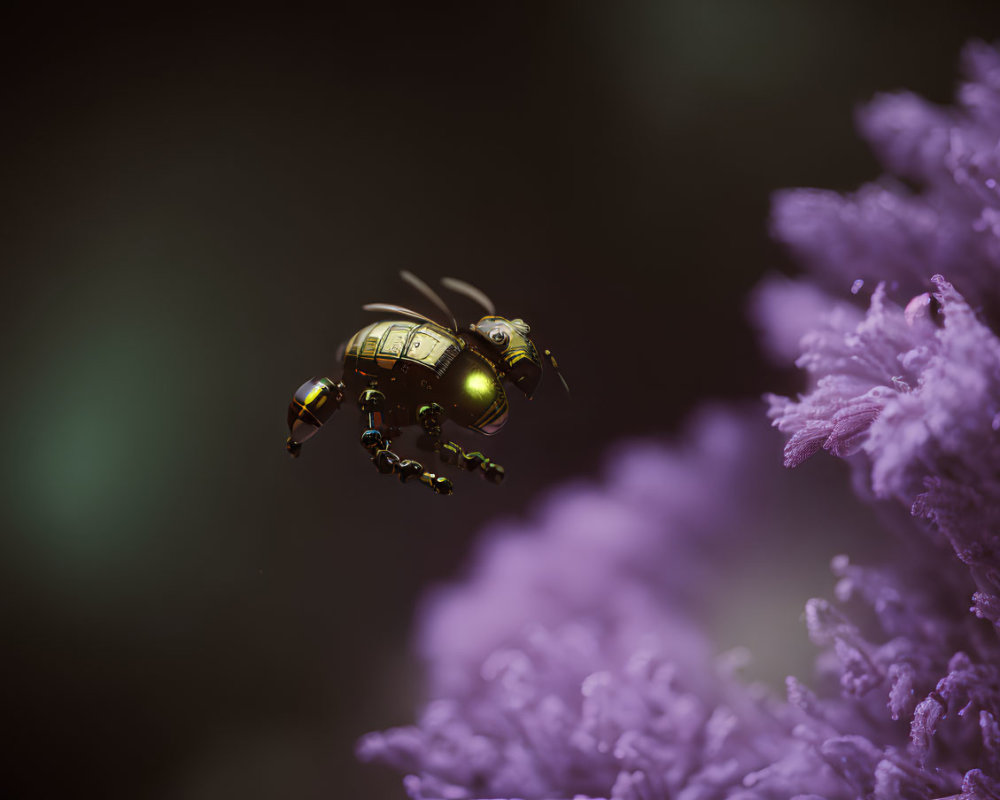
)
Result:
{"points": [[380, 346]]}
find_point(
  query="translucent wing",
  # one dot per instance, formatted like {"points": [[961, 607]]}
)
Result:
{"points": [[470, 291], [430, 294], [391, 309]]}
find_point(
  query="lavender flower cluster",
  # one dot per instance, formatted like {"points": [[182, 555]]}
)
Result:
{"points": [[573, 660]]}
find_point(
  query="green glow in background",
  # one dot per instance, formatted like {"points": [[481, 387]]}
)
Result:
{"points": [[194, 211]]}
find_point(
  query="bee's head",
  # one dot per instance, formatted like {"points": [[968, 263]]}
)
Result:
{"points": [[508, 339]]}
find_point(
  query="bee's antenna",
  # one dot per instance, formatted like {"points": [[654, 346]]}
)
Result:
{"points": [[463, 288], [405, 312], [430, 294], [555, 366]]}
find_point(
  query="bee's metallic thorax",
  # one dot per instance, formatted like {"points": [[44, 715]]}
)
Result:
{"points": [[381, 346]]}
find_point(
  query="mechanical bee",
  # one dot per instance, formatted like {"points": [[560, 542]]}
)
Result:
{"points": [[418, 372]]}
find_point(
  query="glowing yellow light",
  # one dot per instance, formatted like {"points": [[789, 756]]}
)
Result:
{"points": [[312, 395], [479, 384]]}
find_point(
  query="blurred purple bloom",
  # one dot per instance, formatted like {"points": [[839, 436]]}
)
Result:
{"points": [[915, 390], [576, 658], [783, 311], [912, 395], [569, 662], [889, 232]]}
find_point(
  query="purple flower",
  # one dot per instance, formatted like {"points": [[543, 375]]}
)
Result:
{"points": [[579, 658], [911, 396], [915, 391], [570, 661], [888, 232]]}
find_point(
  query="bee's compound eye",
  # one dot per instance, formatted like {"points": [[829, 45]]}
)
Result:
{"points": [[499, 336]]}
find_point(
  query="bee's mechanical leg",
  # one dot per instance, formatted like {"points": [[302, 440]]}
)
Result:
{"points": [[311, 407], [371, 402], [450, 452]]}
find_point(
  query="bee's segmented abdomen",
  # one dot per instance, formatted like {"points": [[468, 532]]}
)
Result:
{"points": [[381, 346]]}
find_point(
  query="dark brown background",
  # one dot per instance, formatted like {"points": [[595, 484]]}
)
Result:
{"points": [[195, 206]]}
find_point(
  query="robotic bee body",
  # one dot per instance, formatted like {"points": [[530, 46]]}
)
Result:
{"points": [[418, 372]]}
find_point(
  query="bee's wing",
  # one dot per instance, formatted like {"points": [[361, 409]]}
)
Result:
{"points": [[389, 308], [470, 291], [430, 294]]}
